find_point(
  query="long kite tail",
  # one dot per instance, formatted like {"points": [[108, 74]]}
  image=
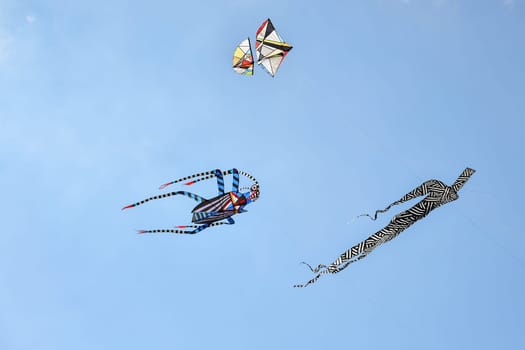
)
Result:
{"points": [[323, 270], [313, 280], [200, 177], [317, 269], [357, 252], [380, 211], [164, 195], [196, 228], [205, 176], [167, 231], [327, 269]]}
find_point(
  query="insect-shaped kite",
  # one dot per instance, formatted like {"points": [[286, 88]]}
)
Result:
{"points": [[210, 212], [437, 193]]}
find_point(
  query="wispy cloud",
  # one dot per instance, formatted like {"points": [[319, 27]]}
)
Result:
{"points": [[6, 42], [30, 18]]}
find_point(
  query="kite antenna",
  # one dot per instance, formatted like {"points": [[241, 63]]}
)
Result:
{"points": [[249, 177]]}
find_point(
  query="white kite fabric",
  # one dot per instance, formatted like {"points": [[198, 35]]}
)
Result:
{"points": [[243, 59], [270, 47]]}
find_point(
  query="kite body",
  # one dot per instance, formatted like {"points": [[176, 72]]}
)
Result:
{"points": [[210, 212], [221, 207], [436, 194]]}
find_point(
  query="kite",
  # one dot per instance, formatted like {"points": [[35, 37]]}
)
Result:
{"points": [[437, 194], [243, 59], [270, 49], [210, 212]]}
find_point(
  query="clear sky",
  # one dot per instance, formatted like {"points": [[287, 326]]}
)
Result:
{"points": [[103, 101]]}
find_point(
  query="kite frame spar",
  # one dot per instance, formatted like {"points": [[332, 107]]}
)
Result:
{"points": [[437, 194], [210, 212]]}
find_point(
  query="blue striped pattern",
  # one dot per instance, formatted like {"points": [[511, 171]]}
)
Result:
{"points": [[235, 184], [184, 193], [210, 212], [230, 221], [220, 181], [193, 196]]}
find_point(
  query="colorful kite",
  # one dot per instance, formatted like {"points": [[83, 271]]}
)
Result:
{"points": [[437, 193], [243, 59], [270, 48], [210, 212]]}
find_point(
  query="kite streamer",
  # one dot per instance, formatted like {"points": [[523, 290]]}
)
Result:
{"points": [[437, 194]]}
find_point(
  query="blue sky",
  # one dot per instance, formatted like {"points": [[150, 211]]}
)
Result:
{"points": [[102, 103]]}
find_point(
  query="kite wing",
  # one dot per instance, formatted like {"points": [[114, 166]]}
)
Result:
{"points": [[243, 59], [270, 47]]}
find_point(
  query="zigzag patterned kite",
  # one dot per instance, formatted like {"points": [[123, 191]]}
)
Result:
{"points": [[437, 193]]}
